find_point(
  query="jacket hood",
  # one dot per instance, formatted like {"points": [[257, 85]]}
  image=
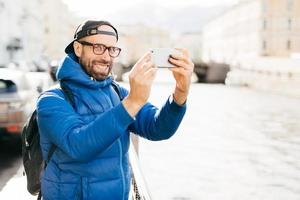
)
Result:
{"points": [[71, 71]]}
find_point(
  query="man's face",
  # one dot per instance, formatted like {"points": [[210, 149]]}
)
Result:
{"points": [[96, 66]]}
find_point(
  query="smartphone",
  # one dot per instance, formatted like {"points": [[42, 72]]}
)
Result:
{"points": [[160, 56]]}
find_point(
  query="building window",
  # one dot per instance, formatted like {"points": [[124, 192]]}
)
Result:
{"points": [[264, 45], [290, 4], [289, 24], [288, 45], [265, 6], [2, 5], [265, 24]]}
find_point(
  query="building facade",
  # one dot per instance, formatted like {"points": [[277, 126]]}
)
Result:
{"points": [[253, 28], [192, 41], [11, 38], [59, 28], [33, 30], [136, 39]]}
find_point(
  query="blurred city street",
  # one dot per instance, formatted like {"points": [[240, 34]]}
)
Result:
{"points": [[234, 143]]}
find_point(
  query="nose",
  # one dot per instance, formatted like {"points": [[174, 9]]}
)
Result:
{"points": [[106, 55]]}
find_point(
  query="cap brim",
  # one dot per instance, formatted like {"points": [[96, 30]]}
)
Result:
{"points": [[70, 48]]}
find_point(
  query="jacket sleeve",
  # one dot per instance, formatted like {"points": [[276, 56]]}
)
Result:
{"points": [[157, 124], [80, 140]]}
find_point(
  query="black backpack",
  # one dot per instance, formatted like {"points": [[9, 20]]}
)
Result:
{"points": [[31, 151], [33, 161]]}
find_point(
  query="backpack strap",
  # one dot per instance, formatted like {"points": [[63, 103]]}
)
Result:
{"points": [[50, 153], [117, 89], [68, 94], [70, 98], [39, 196]]}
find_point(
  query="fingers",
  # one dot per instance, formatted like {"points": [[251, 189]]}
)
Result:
{"points": [[179, 57], [146, 66], [182, 72], [184, 55], [185, 52], [144, 59], [182, 64], [144, 70], [150, 74], [182, 60], [141, 64], [179, 70]]}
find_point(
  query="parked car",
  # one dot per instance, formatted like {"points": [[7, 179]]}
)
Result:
{"points": [[17, 101]]}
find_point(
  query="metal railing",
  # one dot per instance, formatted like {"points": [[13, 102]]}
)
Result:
{"points": [[139, 189]]}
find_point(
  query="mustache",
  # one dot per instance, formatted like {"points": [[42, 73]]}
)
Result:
{"points": [[95, 62]]}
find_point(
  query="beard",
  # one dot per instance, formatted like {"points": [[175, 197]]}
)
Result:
{"points": [[98, 69]]}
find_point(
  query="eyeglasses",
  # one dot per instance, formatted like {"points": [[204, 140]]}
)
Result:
{"points": [[99, 49]]}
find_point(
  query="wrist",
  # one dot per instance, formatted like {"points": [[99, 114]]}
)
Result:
{"points": [[132, 106], [179, 97]]}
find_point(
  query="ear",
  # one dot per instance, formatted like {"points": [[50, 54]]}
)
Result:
{"points": [[77, 48]]}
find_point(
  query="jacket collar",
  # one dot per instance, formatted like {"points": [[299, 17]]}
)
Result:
{"points": [[70, 71]]}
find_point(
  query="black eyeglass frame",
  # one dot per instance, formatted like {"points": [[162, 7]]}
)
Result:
{"points": [[110, 49]]}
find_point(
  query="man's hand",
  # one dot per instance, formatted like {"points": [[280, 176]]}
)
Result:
{"points": [[182, 73], [141, 78]]}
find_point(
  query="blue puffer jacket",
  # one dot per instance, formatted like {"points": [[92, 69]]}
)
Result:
{"points": [[92, 139]]}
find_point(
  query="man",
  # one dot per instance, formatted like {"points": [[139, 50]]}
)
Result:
{"points": [[92, 136]]}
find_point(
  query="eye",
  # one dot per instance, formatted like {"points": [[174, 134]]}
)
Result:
{"points": [[114, 49], [99, 47]]}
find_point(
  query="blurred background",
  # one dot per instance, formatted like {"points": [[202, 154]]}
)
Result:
{"points": [[240, 138]]}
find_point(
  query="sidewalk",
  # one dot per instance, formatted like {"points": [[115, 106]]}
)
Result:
{"points": [[15, 188]]}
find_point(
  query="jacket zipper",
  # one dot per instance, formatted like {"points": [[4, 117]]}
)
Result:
{"points": [[110, 102], [121, 167], [81, 188]]}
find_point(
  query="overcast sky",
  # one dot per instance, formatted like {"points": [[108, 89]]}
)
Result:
{"points": [[106, 8], [174, 15]]}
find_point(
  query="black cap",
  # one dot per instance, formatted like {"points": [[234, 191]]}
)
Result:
{"points": [[90, 28]]}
